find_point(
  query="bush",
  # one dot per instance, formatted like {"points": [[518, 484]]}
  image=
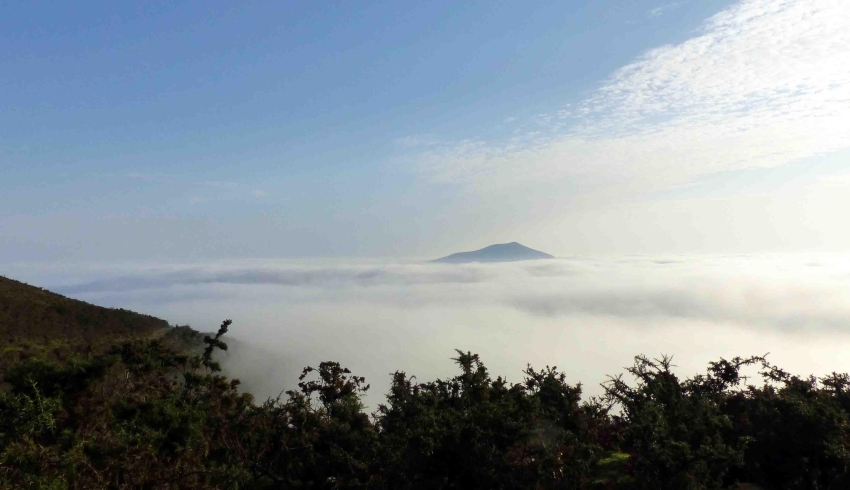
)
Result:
{"points": [[150, 414]]}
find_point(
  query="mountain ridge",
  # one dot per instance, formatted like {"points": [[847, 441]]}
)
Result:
{"points": [[499, 252]]}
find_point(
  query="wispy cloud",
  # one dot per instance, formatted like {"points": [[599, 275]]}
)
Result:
{"points": [[765, 83], [221, 184], [415, 141], [155, 177], [215, 190], [662, 9]]}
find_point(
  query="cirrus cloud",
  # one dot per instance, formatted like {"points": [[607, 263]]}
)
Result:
{"points": [[764, 83]]}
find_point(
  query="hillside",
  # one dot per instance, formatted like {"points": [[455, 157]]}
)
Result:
{"points": [[502, 252], [37, 322]]}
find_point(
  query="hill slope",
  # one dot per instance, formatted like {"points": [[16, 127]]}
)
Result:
{"points": [[502, 252], [36, 322]]}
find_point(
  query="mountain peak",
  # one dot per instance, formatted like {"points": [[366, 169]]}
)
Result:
{"points": [[500, 252]]}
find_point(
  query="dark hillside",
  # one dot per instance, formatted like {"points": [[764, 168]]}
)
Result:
{"points": [[37, 323]]}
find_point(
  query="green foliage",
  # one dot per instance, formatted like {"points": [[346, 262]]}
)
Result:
{"points": [[676, 430], [799, 432], [472, 431], [151, 414]]}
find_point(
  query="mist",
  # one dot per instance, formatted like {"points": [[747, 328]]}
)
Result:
{"points": [[587, 315]]}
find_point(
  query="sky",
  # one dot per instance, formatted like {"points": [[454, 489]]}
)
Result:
{"points": [[289, 165], [169, 131]]}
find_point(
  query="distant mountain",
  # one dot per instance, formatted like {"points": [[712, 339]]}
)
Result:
{"points": [[502, 252]]}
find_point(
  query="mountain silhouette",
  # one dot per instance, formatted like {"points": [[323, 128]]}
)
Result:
{"points": [[502, 252]]}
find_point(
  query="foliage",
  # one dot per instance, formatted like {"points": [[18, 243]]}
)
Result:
{"points": [[150, 413], [144, 415], [472, 431], [676, 430], [798, 428]]}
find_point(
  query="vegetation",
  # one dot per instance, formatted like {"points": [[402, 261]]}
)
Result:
{"points": [[38, 323], [149, 413], [144, 415]]}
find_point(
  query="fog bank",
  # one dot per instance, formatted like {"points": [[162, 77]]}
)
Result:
{"points": [[587, 315]]}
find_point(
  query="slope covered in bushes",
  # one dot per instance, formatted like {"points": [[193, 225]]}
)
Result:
{"points": [[35, 322]]}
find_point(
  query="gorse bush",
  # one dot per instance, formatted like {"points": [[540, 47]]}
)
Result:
{"points": [[472, 431], [146, 414]]}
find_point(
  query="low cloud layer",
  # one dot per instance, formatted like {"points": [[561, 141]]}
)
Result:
{"points": [[792, 292], [588, 315]]}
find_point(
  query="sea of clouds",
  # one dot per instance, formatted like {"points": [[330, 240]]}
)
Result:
{"points": [[587, 315]]}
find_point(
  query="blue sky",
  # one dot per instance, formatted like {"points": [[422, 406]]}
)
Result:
{"points": [[301, 129]]}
